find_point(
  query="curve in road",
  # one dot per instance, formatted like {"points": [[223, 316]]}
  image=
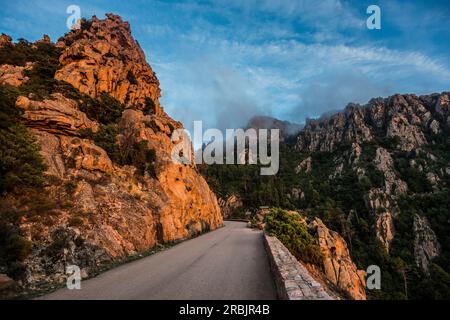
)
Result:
{"points": [[228, 263]]}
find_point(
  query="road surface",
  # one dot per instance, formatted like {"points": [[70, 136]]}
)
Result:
{"points": [[229, 263]]}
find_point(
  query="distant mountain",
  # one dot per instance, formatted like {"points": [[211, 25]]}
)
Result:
{"points": [[379, 175], [286, 128]]}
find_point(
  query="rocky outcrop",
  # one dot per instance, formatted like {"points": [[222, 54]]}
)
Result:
{"points": [[355, 154], [325, 134], [304, 166], [5, 40], [406, 117], [338, 266], [56, 115], [102, 56], [106, 210], [397, 123], [384, 162], [426, 245], [13, 75], [384, 228], [229, 205], [260, 216], [384, 209]]}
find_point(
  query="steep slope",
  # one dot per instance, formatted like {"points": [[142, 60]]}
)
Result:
{"points": [[379, 138], [387, 164], [110, 187], [377, 174]]}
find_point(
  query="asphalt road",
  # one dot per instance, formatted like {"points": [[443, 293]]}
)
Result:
{"points": [[229, 263]]}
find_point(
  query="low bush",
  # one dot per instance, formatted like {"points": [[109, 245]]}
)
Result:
{"points": [[142, 157], [76, 221], [13, 250], [150, 107], [106, 138], [105, 109], [293, 233], [138, 155], [20, 161], [131, 78]]}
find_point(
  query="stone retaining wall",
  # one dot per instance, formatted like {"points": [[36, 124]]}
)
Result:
{"points": [[292, 279]]}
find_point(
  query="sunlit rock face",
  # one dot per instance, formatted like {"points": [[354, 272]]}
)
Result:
{"points": [[409, 122], [106, 210], [103, 56], [407, 117], [338, 265]]}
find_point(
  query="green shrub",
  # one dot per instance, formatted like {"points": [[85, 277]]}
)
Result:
{"points": [[138, 155], [13, 250], [85, 24], [45, 57], [104, 109], [293, 233], [20, 161], [416, 180], [149, 107], [109, 109], [142, 156], [171, 127], [15, 270], [8, 110], [106, 138], [23, 51], [131, 78]]}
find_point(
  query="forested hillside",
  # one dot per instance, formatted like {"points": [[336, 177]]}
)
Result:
{"points": [[378, 175]]}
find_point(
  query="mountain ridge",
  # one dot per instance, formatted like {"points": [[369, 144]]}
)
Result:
{"points": [[378, 175]]}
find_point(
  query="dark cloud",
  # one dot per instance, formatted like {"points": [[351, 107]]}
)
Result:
{"points": [[334, 91]]}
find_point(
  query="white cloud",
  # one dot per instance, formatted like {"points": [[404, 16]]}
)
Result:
{"points": [[240, 79]]}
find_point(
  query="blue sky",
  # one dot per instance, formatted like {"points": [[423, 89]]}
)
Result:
{"points": [[224, 61]]}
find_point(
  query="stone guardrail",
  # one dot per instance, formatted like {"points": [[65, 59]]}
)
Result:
{"points": [[293, 281]]}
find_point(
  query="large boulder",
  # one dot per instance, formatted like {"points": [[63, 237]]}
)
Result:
{"points": [[14, 75], [337, 263]]}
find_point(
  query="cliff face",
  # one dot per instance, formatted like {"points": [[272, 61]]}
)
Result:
{"points": [[408, 122], [378, 175], [103, 56], [338, 266], [382, 173], [426, 246], [406, 117], [107, 209]]}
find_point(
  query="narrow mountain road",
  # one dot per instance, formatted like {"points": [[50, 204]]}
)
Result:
{"points": [[229, 263]]}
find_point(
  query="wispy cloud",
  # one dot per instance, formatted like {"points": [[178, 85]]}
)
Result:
{"points": [[224, 61]]}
